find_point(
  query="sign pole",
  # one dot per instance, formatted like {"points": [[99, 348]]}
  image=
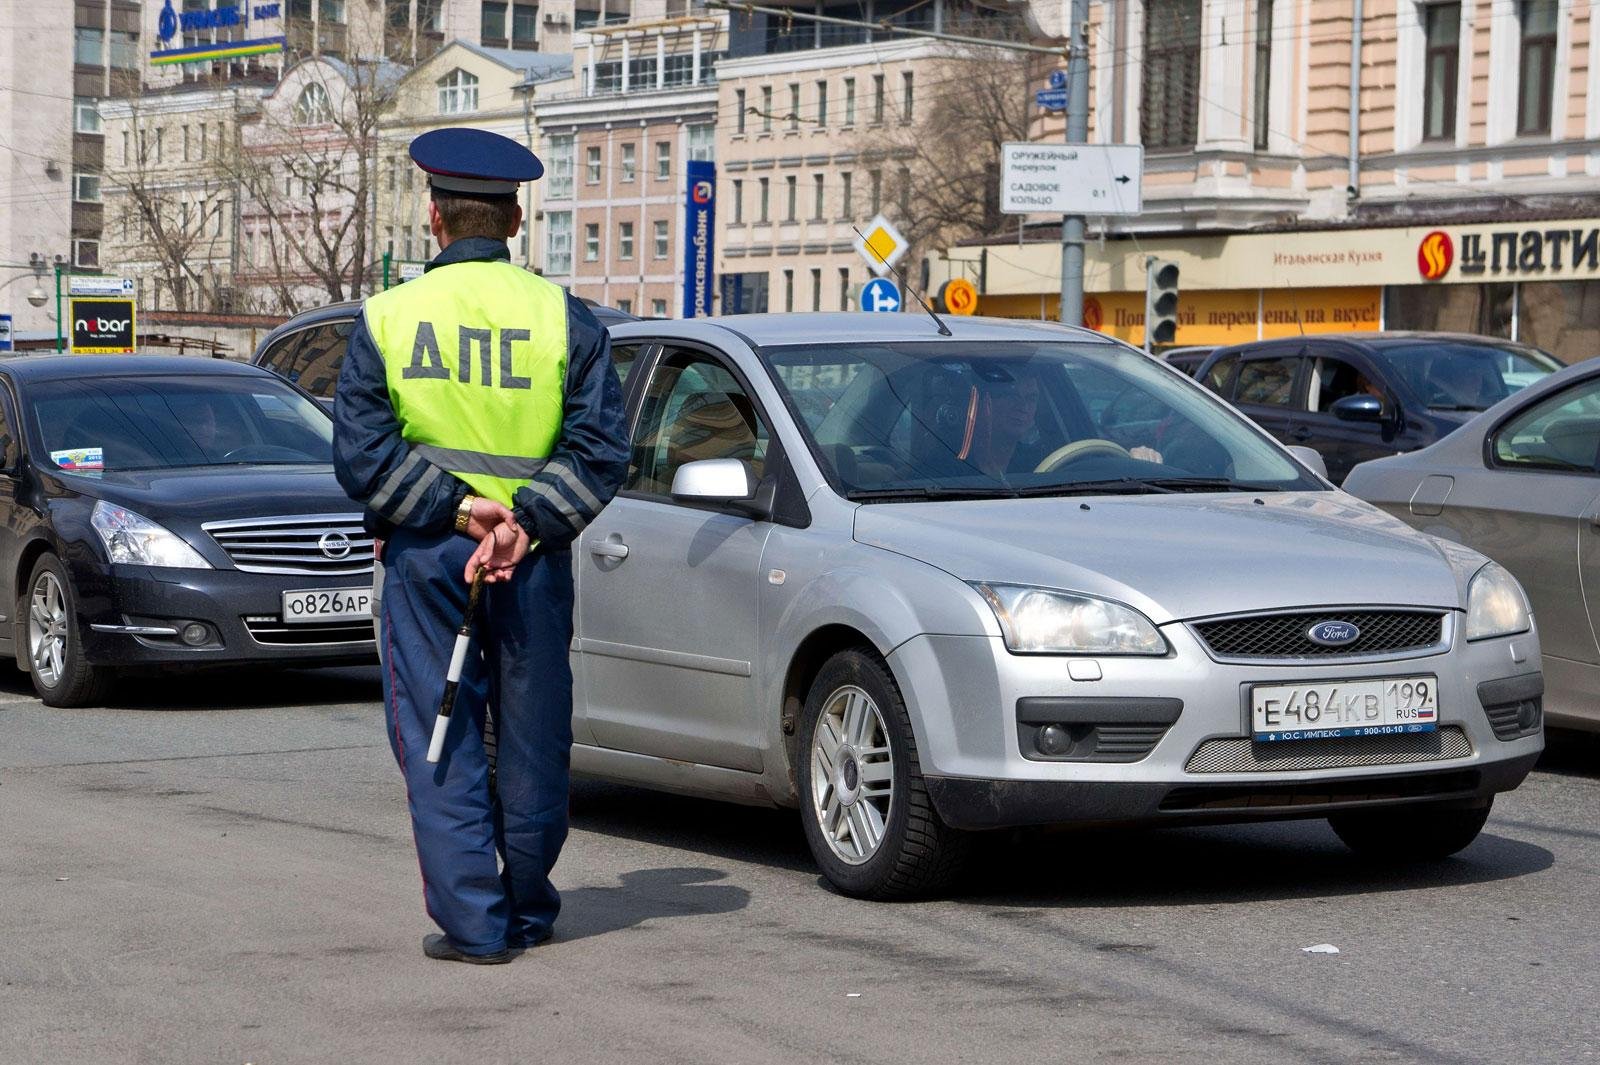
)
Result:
{"points": [[60, 334], [1077, 133]]}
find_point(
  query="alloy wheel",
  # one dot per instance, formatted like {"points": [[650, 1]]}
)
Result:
{"points": [[852, 775], [47, 629]]}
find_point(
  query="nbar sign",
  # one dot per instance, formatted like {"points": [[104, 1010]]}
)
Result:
{"points": [[102, 326]]}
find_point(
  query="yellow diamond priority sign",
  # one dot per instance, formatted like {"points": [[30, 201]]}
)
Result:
{"points": [[881, 245]]}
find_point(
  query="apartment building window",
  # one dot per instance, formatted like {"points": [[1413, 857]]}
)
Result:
{"points": [[524, 26], [124, 147], [818, 185], [658, 308], [703, 142], [430, 16], [186, 144], [312, 108], [875, 185], [907, 95], [738, 202], [124, 50], [762, 203], [822, 104], [844, 288], [1263, 74], [849, 101], [89, 47], [1536, 66], [630, 167], [788, 290], [200, 131], [85, 115], [591, 242], [331, 11], [663, 160], [560, 157], [816, 288], [877, 99], [1442, 32], [738, 96], [492, 21], [794, 105], [846, 180], [625, 241], [662, 239], [1170, 115], [592, 165], [625, 306], [905, 191], [86, 188], [160, 138], [791, 197], [458, 93], [388, 240], [86, 253], [766, 108], [558, 242]]}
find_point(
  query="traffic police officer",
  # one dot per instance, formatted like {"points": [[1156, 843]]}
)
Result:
{"points": [[479, 420]]}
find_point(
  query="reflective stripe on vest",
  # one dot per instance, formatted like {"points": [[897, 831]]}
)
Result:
{"points": [[475, 355]]}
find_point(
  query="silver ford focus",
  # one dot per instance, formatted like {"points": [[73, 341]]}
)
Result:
{"points": [[919, 585]]}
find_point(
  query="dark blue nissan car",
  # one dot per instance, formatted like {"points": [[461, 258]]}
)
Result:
{"points": [[1360, 396], [169, 512]]}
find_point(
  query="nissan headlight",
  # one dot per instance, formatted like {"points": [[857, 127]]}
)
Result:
{"points": [[1495, 604], [1040, 621], [135, 539]]}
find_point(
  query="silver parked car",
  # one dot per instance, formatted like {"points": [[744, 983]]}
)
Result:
{"points": [[1521, 483], [919, 585]]}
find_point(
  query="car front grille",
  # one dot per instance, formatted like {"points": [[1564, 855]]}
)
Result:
{"points": [[322, 545], [1285, 635], [1269, 797], [1242, 755], [272, 632]]}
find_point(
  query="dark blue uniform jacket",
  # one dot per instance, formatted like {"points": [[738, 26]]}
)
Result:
{"points": [[376, 468]]}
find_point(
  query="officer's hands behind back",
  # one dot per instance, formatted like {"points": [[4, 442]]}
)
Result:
{"points": [[505, 545]]}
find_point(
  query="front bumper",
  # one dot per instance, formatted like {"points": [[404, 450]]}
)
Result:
{"points": [[125, 609], [1176, 744]]}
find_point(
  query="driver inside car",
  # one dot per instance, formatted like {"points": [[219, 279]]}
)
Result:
{"points": [[1006, 437]]}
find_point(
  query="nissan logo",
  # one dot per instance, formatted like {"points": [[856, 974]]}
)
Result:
{"points": [[336, 545], [1333, 633]]}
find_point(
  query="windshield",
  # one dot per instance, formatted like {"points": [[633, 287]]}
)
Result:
{"points": [[1451, 375], [940, 419], [152, 423]]}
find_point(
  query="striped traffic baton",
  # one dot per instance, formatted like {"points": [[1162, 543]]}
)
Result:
{"points": [[458, 659]]}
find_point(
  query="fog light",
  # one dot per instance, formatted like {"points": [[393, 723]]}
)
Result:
{"points": [[1053, 740], [1528, 716], [195, 634]]}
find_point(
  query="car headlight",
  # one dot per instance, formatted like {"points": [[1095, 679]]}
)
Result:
{"points": [[1495, 604], [135, 539], [1040, 621]]}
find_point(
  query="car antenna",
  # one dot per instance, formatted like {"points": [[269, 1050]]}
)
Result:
{"points": [[944, 330]]}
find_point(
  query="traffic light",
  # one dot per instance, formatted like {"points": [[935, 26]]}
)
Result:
{"points": [[1160, 302]]}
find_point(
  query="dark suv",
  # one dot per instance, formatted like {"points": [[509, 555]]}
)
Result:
{"points": [[309, 348], [1355, 397]]}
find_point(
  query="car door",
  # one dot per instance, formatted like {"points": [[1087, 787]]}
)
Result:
{"points": [[1535, 510], [1332, 373], [667, 625], [15, 515], [1267, 389]]}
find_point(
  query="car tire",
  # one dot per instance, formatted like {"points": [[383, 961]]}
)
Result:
{"points": [[872, 828], [53, 639], [1411, 833]]}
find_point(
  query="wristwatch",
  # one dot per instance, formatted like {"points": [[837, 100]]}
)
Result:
{"points": [[464, 511]]}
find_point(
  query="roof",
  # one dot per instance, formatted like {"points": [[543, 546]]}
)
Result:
{"points": [[1378, 339], [534, 65], [72, 367], [776, 330]]}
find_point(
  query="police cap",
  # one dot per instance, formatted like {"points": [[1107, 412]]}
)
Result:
{"points": [[474, 161]]}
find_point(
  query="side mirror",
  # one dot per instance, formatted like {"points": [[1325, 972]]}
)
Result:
{"points": [[1310, 458], [1358, 408], [729, 483]]}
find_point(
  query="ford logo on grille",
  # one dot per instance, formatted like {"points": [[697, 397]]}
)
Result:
{"points": [[336, 546], [1333, 633]]}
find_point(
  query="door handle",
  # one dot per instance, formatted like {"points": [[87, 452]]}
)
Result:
{"points": [[608, 549], [1300, 432]]}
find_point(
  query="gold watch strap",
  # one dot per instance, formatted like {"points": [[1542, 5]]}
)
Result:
{"points": [[464, 511]]}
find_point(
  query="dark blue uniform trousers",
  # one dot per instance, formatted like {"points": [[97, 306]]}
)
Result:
{"points": [[524, 628]]}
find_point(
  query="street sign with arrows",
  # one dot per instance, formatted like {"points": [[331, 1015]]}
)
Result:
{"points": [[1075, 179]]}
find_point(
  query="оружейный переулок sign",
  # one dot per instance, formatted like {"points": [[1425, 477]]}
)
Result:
{"points": [[1074, 179]]}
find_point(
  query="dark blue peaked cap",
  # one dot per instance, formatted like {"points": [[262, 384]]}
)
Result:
{"points": [[474, 160]]}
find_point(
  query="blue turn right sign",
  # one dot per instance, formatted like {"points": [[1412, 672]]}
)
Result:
{"points": [[880, 296]]}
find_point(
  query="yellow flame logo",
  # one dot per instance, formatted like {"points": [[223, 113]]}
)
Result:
{"points": [[1434, 255]]}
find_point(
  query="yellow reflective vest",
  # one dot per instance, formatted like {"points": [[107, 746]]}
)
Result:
{"points": [[475, 356]]}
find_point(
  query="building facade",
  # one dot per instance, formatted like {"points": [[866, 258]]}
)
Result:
{"points": [[1458, 193]]}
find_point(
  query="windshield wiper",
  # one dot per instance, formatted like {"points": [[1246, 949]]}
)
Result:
{"points": [[1203, 484], [932, 492]]}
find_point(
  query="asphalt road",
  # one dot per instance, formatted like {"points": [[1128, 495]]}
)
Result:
{"points": [[222, 871]]}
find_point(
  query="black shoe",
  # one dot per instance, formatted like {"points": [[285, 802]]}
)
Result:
{"points": [[439, 948]]}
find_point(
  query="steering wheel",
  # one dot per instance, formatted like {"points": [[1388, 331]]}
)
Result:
{"points": [[1079, 449]]}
